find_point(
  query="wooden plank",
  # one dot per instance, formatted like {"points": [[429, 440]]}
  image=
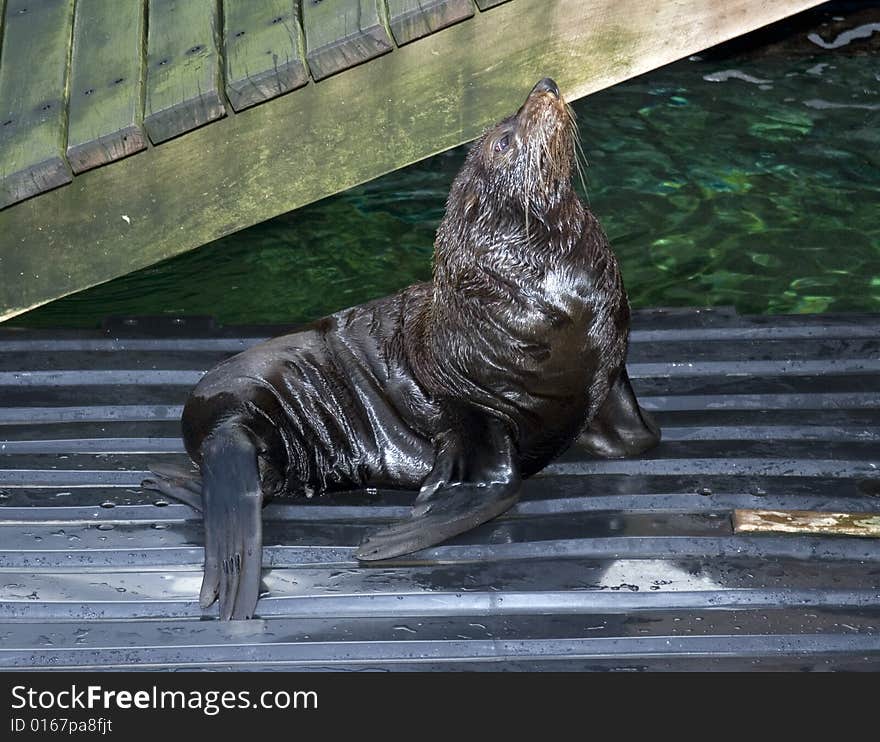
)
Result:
{"points": [[2, 17], [33, 73], [806, 522], [104, 109], [298, 148], [413, 19], [263, 50], [183, 67], [486, 4], [341, 34]]}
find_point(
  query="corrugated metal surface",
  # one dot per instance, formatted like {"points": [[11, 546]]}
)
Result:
{"points": [[604, 564]]}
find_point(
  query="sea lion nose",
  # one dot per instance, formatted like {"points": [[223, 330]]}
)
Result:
{"points": [[546, 86]]}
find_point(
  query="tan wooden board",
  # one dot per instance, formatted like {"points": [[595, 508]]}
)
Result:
{"points": [[806, 522]]}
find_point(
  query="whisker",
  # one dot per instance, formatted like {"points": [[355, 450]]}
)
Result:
{"points": [[580, 159]]}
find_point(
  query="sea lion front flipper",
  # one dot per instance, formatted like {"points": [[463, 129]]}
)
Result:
{"points": [[475, 477], [621, 427], [232, 501], [177, 483]]}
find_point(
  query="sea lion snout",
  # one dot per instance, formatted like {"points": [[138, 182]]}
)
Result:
{"points": [[543, 101], [546, 85]]}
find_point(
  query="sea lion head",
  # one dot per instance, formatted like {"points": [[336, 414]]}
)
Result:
{"points": [[521, 167]]}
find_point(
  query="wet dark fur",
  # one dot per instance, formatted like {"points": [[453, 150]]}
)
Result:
{"points": [[526, 319]]}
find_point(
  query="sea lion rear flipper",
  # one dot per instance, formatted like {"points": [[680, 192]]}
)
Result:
{"points": [[621, 427], [475, 477], [233, 522]]}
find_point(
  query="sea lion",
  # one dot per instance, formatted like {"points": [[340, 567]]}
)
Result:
{"points": [[460, 387]]}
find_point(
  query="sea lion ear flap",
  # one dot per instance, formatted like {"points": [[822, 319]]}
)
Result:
{"points": [[471, 206]]}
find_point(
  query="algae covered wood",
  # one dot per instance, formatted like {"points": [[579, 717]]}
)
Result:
{"points": [[183, 67], [33, 74], [2, 18], [806, 522], [413, 19], [263, 50], [105, 107], [486, 4], [294, 149], [341, 34]]}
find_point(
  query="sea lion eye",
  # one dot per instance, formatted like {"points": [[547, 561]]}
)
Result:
{"points": [[503, 143]]}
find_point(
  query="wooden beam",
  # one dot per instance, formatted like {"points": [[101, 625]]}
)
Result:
{"points": [[105, 107], [806, 522], [341, 34], [413, 19], [262, 49], [486, 4], [33, 75], [354, 126], [183, 67]]}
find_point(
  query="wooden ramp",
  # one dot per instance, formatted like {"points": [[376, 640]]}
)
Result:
{"points": [[628, 564], [133, 131]]}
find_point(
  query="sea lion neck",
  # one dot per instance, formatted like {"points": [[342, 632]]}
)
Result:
{"points": [[503, 234]]}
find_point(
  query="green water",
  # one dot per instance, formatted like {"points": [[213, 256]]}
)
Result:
{"points": [[761, 194]]}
